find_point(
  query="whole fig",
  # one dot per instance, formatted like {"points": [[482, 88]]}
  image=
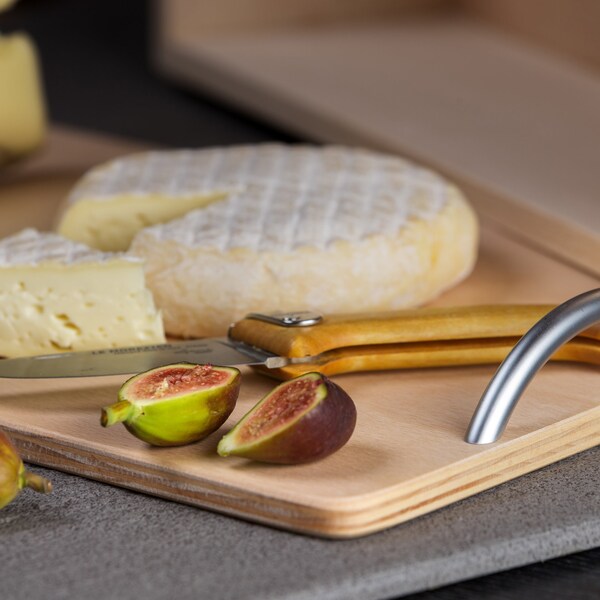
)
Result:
{"points": [[301, 420], [176, 404], [13, 475]]}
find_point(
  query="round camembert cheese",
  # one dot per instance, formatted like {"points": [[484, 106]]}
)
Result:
{"points": [[330, 229], [57, 295]]}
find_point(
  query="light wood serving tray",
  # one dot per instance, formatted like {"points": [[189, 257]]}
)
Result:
{"points": [[407, 456]]}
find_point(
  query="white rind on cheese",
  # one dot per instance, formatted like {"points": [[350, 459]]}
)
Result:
{"points": [[333, 230], [33, 248], [279, 217], [57, 295], [114, 201]]}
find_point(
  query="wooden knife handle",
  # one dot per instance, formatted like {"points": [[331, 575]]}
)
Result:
{"points": [[407, 326], [426, 337]]}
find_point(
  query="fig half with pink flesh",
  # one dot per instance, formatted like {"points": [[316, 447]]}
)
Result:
{"points": [[301, 420], [175, 405]]}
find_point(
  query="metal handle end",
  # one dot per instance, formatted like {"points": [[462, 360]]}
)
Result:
{"points": [[528, 356]]}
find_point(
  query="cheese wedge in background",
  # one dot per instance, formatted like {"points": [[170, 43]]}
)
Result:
{"points": [[57, 295], [22, 110], [6, 4], [330, 229]]}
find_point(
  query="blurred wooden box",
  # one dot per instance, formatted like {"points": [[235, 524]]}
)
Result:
{"points": [[501, 95]]}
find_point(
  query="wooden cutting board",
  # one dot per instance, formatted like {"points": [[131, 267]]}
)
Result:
{"points": [[407, 456]]}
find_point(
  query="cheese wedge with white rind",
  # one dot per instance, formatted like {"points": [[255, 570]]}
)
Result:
{"points": [[329, 229], [57, 295]]}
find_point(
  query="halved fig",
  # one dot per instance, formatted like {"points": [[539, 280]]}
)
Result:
{"points": [[301, 420], [175, 405]]}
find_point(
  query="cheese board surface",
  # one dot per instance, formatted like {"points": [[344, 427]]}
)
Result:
{"points": [[407, 456]]}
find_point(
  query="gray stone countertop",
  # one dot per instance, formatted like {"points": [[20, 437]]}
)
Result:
{"points": [[93, 541]]}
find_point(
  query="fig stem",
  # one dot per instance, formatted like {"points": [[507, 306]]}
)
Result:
{"points": [[36, 482], [222, 448], [116, 413]]}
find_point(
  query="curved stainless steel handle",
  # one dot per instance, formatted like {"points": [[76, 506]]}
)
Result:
{"points": [[527, 357]]}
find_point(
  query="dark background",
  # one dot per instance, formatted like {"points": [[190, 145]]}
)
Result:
{"points": [[97, 75]]}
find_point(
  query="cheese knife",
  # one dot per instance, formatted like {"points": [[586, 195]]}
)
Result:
{"points": [[285, 345]]}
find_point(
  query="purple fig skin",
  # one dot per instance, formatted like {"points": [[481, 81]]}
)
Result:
{"points": [[13, 476], [318, 433]]}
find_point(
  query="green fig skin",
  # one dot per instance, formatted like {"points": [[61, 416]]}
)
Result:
{"points": [[317, 433], [13, 475], [177, 420]]}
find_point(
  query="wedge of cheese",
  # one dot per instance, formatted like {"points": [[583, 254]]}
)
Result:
{"points": [[22, 108], [57, 295], [330, 229], [5, 4]]}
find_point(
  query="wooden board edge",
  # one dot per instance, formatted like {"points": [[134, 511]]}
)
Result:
{"points": [[543, 231], [552, 443], [330, 518]]}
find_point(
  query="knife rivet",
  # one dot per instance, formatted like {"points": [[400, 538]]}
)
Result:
{"points": [[289, 319]]}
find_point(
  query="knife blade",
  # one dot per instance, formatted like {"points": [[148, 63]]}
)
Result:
{"points": [[135, 359], [285, 345]]}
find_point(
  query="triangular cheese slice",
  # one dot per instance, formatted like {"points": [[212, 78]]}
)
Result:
{"points": [[57, 295]]}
